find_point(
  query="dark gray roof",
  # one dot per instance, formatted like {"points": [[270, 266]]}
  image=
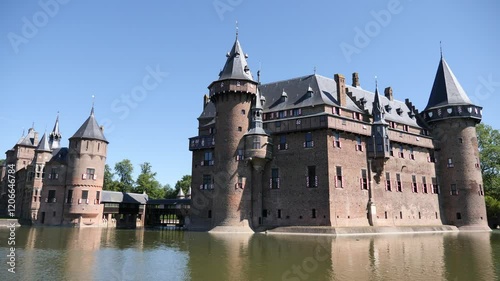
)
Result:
{"points": [[43, 145], [123, 197], [60, 155], [403, 117], [90, 129], [446, 89], [296, 89], [208, 111], [29, 139], [236, 66], [169, 201], [55, 132]]}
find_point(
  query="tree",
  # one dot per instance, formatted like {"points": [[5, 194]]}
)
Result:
{"points": [[147, 183], [169, 192], [124, 170], [184, 183], [109, 183], [489, 152]]}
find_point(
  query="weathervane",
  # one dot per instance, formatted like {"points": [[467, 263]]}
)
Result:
{"points": [[236, 29]]}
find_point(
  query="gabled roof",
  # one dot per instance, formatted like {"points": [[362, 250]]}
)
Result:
{"points": [[43, 145], [123, 197], [29, 139], [236, 66], [446, 89], [90, 129]]}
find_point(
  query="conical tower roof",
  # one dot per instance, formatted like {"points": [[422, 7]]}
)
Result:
{"points": [[90, 129], [55, 131], [446, 89], [378, 110], [43, 145], [180, 194], [236, 66]]}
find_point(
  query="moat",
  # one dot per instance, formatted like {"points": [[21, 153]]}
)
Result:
{"points": [[55, 253]]}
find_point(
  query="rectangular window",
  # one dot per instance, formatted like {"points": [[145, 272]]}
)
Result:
{"points": [[339, 182], [90, 174], [282, 145], [309, 141], [256, 143], [241, 182], [97, 197], [264, 213], [275, 178], [431, 158], [424, 185], [208, 158], [401, 153], [53, 174], [277, 124], [359, 146], [52, 196], [297, 112], [279, 214], [282, 114], [412, 155], [414, 184], [453, 189], [240, 155], [69, 199], [388, 182], [313, 213], [207, 182], [336, 110], [477, 165], [391, 149], [364, 179], [399, 183], [450, 163], [85, 194], [312, 178], [336, 139], [406, 128], [480, 191], [435, 186], [209, 215]]}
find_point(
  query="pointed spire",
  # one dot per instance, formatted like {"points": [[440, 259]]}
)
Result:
{"points": [[441, 49], [55, 135], [90, 129], [43, 145], [236, 66], [92, 110], [180, 194], [446, 89], [378, 111], [188, 194]]}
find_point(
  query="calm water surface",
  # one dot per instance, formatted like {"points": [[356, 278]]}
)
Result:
{"points": [[52, 253]]}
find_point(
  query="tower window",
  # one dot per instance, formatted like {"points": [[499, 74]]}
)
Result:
{"points": [[412, 155], [336, 139], [453, 189], [312, 178], [241, 182], [208, 159], [388, 182], [359, 146], [424, 183], [240, 155], [450, 163], [313, 213], [282, 145], [207, 182], [243, 112], [339, 181], [414, 184], [308, 141], [435, 186], [460, 140], [364, 179], [480, 191], [209, 215], [69, 199], [90, 174], [240, 129], [256, 143], [275, 179], [459, 216], [399, 183], [279, 213]]}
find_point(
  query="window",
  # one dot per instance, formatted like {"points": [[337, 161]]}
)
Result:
{"points": [[339, 182], [90, 174], [336, 139], [406, 128], [459, 216], [460, 140], [240, 129], [481, 191], [282, 114], [207, 182], [336, 110], [53, 174], [359, 146], [69, 199], [97, 197], [431, 158], [279, 213], [450, 163], [399, 183], [364, 179], [208, 159], [401, 153], [243, 112], [209, 215], [313, 213], [424, 183], [393, 125], [240, 155], [312, 178], [435, 186], [453, 189], [412, 155], [264, 213], [388, 182], [391, 149], [309, 142], [282, 145], [241, 182], [52, 196], [297, 112], [38, 171], [256, 142], [277, 124], [414, 185], [477, 165], [356, 116], [275, 178], [85, 194]]}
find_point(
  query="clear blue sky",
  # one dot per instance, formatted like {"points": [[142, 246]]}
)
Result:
{"points": [[54, 58]]}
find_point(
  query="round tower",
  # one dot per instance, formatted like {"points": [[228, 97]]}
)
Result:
{"points": [[87, 158], [232, 95], [452, 118]]}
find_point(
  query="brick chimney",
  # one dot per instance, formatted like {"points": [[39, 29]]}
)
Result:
{"points": [[388, 93], [355, 79], [341, 93]]}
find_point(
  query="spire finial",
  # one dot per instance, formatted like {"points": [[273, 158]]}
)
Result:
{"points": [[441, 49], [23, 133], [237, 30], [314, 69], [376, 82], [258, 76], [93, 101], [33, 125]]}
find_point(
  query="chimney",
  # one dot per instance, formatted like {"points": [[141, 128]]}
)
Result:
{"points": [[205, 100], [341, 91], [355, 79], [388, 93]]}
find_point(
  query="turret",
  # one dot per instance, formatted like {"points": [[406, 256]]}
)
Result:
{"points": [[87, 158], [55, 136], [232, 95], [452, 118], [378, 147]]}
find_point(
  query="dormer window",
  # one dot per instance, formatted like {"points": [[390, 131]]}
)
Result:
{"points": [[388, 108], [399, 111], [238, 83], [246, 69], [284, 96]]}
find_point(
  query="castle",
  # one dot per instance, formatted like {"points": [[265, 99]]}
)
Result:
{"points": [[316, 151]]}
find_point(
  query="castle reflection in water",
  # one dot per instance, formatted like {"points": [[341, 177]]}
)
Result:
{"points": [[110, 254]]}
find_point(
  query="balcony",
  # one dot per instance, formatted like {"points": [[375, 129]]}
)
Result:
{"points": [[201, 142]]}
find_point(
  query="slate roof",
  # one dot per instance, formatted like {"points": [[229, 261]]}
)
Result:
{"points": [[123, 197], [90, 129], [236, 66], [55, 132], [60, 155], [43, 145], [29, 139], [446, 90], [208, 111]]}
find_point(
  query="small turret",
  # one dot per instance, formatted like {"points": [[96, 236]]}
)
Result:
{"points": [[379, 146], [55, 135]]}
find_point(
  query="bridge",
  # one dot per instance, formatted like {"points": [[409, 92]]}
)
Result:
{"points": [[167, 212]]}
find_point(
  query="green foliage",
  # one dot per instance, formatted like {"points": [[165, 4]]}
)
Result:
{"points": [[109, 183], [169, 192], [124, 170], [2, 162], [492, 207], [489, 151], [184, 183], [146, 182]]}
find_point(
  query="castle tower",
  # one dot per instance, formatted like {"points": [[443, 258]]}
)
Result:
{"points": [[452, 118], [232, 95], [55, 136], [43, 153], [87, 157]]}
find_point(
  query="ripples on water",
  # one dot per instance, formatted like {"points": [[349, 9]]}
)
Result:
{"points": [[53, 253]]}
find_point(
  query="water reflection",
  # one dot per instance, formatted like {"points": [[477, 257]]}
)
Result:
{"points": [[109, 254]]}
